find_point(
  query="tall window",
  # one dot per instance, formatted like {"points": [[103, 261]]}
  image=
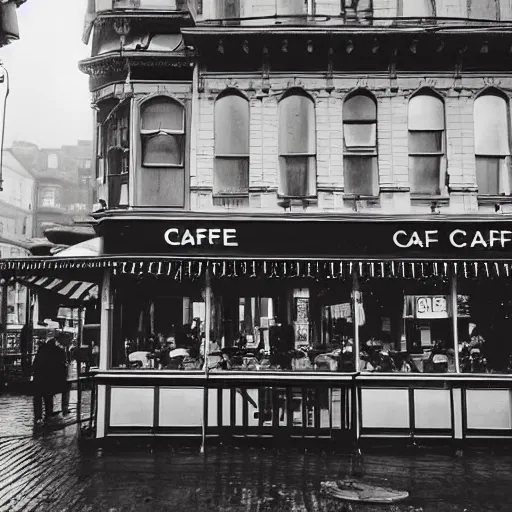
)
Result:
{"points": [[492, 145], [163, 133], [483, 9], [117, 141], [297, 145], [53, 161], [231, 175], [360, 145], [49, 197], [417, 8], [426, 144]]}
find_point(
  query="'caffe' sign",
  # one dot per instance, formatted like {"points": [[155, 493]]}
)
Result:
{"points": [[201, 236], [228, 236], [457, 238]]}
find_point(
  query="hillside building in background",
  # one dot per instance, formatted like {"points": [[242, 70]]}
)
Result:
{"points": [[64, 182]]}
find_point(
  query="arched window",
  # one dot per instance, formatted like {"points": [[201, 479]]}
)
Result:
{"points": [[360, 145], [492, 146], [297, 145], [162, 179], [231, 118], [426, 144], [163, 133], [417, 8]]}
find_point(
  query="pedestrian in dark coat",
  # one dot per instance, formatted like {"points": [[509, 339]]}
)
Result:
{"points": [[50, 377]]}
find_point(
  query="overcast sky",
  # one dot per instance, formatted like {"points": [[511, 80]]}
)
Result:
{"points": [[49, 100]]}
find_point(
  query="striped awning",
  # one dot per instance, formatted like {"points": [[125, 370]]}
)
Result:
{"points": [[75, 291]]}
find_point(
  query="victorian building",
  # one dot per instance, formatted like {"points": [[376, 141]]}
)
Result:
{"points": [[322, 188]]}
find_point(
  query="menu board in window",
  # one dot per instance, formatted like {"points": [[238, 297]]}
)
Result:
{"points": [[431, 306], [302, 310]]}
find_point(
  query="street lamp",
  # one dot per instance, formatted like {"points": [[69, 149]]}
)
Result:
{"points": [[4, 92]]}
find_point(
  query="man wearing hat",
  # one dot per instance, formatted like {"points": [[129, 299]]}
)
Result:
{"points": [[49, 373]]}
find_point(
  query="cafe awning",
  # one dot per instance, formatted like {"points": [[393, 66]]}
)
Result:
{"points": [[182, 246], [68, 289]]}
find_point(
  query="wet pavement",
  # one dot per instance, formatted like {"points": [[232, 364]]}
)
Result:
{"points": [[50, 472]]}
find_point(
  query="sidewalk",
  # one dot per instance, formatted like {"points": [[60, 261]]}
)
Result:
{"points": [[49, 473]]}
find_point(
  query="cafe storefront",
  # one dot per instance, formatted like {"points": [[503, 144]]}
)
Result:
{"points": [[336, 326]]}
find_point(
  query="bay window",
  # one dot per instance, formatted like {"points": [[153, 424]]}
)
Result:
{"points": [[231, 171], [426, 126], [492, 147], [162, 132], [360, 145], [297, 145]]}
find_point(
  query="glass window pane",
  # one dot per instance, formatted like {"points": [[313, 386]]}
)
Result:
{"points": [[483, 9], [487, 175], [491, 126], [163, 149], [231, 176], [424, 174], [426, 113], [162, 114], [361, 175], [297, 125], [360, 108], [485, 314], [425, 142], [227, 8], [360, 135], [232, 125], [417, 8], [291, 7], [295, 177]]}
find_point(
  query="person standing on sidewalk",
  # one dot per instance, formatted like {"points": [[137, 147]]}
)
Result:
{"points": [[63, 345], [48, 370]]}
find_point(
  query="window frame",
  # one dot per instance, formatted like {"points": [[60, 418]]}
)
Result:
{"points": [[112, 135], [361, 152], [433, 7], [498, 10], [246, 157], [503, 160], [146, 135], [311, 157], [442, 190]]}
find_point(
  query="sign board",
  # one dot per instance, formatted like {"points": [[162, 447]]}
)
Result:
{"points": [[431, 306], [220, 236]]}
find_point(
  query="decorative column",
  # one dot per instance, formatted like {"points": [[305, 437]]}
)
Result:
{"points": [[454, 307], [106, 321], [356, 298]]}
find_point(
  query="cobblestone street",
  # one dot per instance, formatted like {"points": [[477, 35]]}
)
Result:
{"points": [[49, 472]]}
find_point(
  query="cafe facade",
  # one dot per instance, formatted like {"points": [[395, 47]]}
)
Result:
{"points": [[385, 317]]}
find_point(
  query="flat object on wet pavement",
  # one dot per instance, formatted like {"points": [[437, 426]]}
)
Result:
{"points": [[352, 490]]}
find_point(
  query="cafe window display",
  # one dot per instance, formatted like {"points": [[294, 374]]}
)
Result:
{"points": [[405, 326], [253, 327], [485, 326]]}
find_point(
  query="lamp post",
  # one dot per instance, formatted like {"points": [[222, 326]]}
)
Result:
{"points": [[4, 92]]}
